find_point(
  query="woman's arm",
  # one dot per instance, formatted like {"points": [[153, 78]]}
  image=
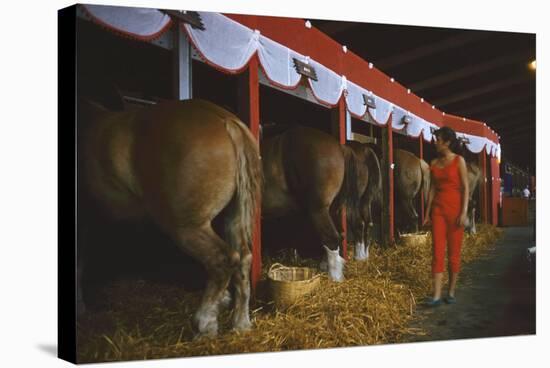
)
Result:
{"points": [[463, 171]]}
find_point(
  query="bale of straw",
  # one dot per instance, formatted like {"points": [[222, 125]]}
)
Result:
{"points": [[413, 239]]}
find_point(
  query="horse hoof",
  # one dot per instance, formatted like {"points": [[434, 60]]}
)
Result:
{"points": [[206, 334], [226, 299], [244, 325], [339, 278], [210, 330]]}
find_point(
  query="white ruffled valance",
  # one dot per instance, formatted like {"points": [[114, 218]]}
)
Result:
{"points": [[416, 127], [476, 144], [354, 100], [140, 23], [381, 114], [229, 46], [329, 86]]}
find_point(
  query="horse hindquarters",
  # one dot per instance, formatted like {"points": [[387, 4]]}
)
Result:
{"points": [[237, 166]]}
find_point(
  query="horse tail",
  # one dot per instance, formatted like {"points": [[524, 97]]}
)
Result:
{"points": [[374, 186], [425, 170], [349, 195], [241, 211]]}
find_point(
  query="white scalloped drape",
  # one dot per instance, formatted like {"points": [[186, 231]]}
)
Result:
{"points": [[230, 45]]}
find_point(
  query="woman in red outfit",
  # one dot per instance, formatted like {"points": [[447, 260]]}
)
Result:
{"points": [[447, 210]]}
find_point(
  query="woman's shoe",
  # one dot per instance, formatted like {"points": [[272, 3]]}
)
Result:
{"points": [[450, 299], [431, 302]]}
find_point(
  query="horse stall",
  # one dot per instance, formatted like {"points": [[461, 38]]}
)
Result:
{"points": [[108, 74], [366, 130], [274, 74], [291, 234], [404, 223]]}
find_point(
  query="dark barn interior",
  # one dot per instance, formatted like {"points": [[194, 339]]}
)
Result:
{"points": [[482, 75]]}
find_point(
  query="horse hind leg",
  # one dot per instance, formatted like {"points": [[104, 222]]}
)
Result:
{"points": [[331, 240], [241, 281], [360, 250], [413, 215], [365, 232], [220, 262], [236, 237]]}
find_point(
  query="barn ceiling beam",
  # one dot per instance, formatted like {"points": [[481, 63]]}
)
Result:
{"points": [[526, 138], [471, 93], [507, 113], [505, 130], [528, 121], [467, 71], [482, 107], [524, 123], [427, 50], [512, 130], [333, 28]]}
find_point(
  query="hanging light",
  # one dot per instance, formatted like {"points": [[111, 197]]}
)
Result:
{"points": [[533, 65]]}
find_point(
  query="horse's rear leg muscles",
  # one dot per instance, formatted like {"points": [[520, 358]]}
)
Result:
{"points": [[220, 262], [325, 227]]}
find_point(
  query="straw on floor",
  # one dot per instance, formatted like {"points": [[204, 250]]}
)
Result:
{"points": [[373, 306]]}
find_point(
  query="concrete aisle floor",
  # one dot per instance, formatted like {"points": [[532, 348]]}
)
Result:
{"points": [[495, 295]]}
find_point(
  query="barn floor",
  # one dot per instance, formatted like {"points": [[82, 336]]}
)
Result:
{"points": [[495, 296]]}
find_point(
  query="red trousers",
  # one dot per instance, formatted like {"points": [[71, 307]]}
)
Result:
{"points": [[445, 231]]}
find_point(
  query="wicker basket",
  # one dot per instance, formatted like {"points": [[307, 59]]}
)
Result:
{"points": [[413, 239], [288, 284]]}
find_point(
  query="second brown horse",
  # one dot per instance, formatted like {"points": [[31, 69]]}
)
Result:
{"points": [[308, 170]]}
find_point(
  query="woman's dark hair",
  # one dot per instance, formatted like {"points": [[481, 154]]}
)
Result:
{"points": [[446, 134]]}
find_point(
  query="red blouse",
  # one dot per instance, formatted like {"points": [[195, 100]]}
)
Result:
{"points": [[448, 187]]}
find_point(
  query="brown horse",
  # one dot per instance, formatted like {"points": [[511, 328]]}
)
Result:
{"points": [[180, 163], [410, 175], [474, 180], [369, 185], [308, 170]]}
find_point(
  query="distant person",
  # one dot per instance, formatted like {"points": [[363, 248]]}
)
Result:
{"points": [[526, 193]]}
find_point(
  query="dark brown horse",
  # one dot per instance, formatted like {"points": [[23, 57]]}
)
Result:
{"points": [[369, 185], [308, 170], [474, 180], [410, 175], [180, 163]]}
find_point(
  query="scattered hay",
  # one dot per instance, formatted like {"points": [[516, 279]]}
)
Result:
{"points": [[373, 306]]}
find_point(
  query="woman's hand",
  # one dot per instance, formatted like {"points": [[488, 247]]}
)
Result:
{"points": [[462, 219], [427, 220]]}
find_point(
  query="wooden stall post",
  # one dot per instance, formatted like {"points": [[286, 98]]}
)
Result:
{"points": [[340, 117], [388, 192], [183, 75], [483, 187], [249, 112], [421, 154]]}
